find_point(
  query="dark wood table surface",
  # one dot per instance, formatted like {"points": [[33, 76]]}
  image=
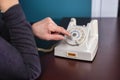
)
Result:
{"points": [[106, 65]]}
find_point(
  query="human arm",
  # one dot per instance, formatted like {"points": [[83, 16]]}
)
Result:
{"points": [[21, 38], [6, 4]]}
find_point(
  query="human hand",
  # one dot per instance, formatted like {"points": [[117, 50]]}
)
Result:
{"points": [[6, 4], [48, 30]]}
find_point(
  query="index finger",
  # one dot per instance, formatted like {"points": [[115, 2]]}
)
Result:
{"points": [[60, 29]]}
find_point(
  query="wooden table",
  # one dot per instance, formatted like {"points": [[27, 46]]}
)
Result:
{"points": [[106, 65]]}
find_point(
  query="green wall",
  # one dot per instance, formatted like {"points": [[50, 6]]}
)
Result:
{"points": [[38, 9]]}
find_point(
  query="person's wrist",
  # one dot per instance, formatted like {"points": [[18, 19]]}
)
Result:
{"points": [[5, 5]]}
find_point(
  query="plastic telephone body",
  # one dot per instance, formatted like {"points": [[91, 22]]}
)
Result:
{"points": [[82, 44]]}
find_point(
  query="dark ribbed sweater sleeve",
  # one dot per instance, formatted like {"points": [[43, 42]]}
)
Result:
{"points": [[22, 39]]}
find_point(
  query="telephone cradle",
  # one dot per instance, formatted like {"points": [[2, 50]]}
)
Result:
{"points": [[82, 44]]}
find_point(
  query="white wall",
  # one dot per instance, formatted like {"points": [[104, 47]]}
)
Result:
{"points": [[109, 8], [96, 5], [104, 8]]}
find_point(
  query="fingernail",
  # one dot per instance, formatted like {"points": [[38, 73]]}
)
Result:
{"points": [[68, 34]]}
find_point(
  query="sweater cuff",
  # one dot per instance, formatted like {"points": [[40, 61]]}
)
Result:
{"points": [[14, 15]]}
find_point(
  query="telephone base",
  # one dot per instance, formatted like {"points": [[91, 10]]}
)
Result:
{"points": [[75, 52], [82, 44]]}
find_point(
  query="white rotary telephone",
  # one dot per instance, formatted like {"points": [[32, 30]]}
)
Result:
{"points": [[82, 44]]}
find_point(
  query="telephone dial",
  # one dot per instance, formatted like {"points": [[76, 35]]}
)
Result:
{"points": [[82, 44]]}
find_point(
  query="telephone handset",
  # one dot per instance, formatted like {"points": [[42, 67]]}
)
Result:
{"points": [[83, 42]]}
